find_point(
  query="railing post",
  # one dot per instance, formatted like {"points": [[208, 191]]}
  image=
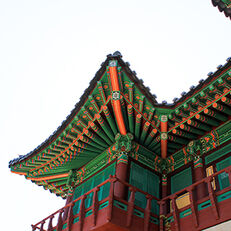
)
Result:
{"points": [[82, 212], [192, 206], [95, 205], [111, 197], [50, 226], [121, 174], [60, 221], [69, 199], [131, 204], [212, 197], [175, 213], [162, 205], [229, 174], [199, 174], [41, 227], [70, 217], [147, 213]]}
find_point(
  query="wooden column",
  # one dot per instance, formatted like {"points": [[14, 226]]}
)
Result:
{"points": [[69, 200], [199, 174], [121, 173]]}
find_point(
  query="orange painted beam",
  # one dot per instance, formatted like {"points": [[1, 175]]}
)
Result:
{"points": [[48, 177], [164, 137], [116, 102], [19, 173]]}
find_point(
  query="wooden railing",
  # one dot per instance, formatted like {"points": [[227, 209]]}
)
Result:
{"points": [[131, 206], [48, 221], [208, 181]]}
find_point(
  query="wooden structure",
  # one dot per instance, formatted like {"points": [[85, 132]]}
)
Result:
{"points": [[123, 161]]}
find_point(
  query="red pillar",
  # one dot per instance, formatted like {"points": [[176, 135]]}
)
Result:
{"points": [[69, 199], [199, 174], [121, 173]]}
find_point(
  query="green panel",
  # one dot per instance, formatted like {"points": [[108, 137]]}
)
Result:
{"points": [[170, 219], [223, 178], [88, 213], [97, 180], [120, 205], [106, 188], [204, 205], [146, 181], [219, 153], [77, 193], [90, 184], [65, 226], [185, 213], [76, 220], [138, 213], [154, 220], [138, 179], [224, 196], [153, 182], [103, 205], [181, 180]]}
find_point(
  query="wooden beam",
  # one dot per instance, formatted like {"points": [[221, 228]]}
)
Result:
{"points": [[130, 118], [222, 108], [207, 120], [164, 135], [216, 115], [116, 97], [199, 125]]}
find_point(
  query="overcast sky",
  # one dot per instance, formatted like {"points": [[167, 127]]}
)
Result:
{"points": [[50, 50]]}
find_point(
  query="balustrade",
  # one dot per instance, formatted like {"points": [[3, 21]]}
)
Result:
{"points": [[212, 196], [147, 209], [69, 219]]}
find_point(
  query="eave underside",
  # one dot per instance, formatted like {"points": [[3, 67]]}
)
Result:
{"points": [[92, 126]]}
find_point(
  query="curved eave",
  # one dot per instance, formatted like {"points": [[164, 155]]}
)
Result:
{"points": [[223, 6], [163, 108]]}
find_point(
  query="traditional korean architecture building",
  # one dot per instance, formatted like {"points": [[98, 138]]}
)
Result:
{"points": [[123, 161], [223, 6]]}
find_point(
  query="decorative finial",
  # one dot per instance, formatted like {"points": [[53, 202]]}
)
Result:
{"points": [[118, 54]]}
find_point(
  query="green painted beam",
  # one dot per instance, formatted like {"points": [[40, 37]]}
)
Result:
{"points": [[207, 120], [137, 126], [130, 118], [110, 120], [215, 114]]}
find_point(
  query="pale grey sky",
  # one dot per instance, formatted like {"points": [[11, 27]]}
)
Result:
{"points": [[50, 50]]}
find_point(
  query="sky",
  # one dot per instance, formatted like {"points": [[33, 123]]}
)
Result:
{"points": [[50, 50]]}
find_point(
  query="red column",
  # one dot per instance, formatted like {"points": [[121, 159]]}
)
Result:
{"points": [[199, 174], [69, 199], [121, 173]]}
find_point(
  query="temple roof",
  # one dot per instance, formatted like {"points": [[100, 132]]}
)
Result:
{"points": [[223, 6], [92, 125]]}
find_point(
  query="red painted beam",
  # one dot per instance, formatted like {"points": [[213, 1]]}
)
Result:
{"points": [[116, 102], [164, 129]]}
